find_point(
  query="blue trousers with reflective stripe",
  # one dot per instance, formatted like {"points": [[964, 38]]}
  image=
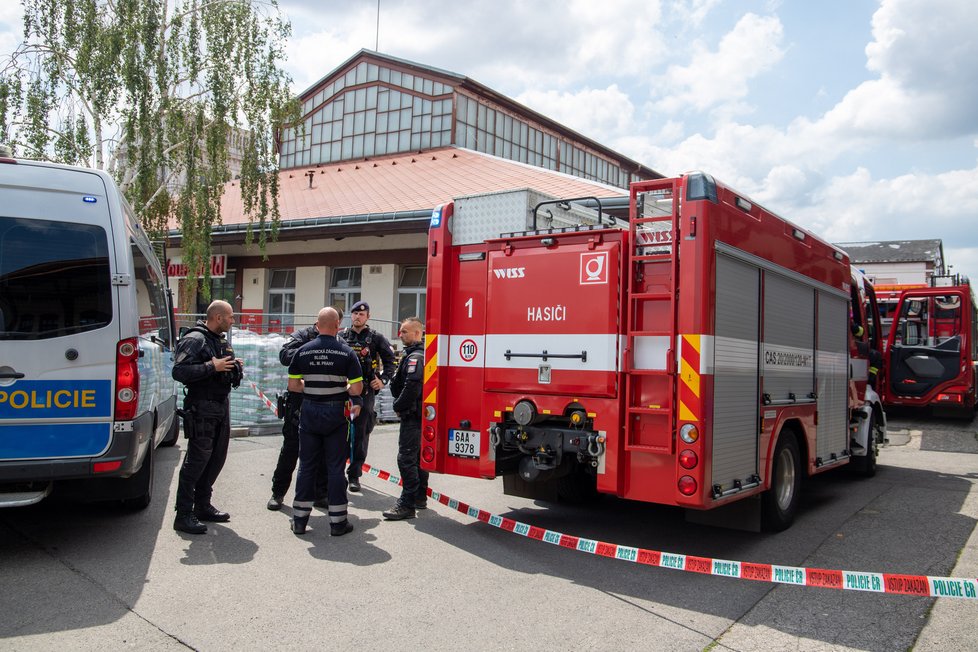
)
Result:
{"points": [[322, 429]]}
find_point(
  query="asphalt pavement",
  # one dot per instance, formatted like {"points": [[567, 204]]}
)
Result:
{"points": [[93, 577]]}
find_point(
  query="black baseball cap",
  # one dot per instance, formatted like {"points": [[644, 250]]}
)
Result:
{"points": [[360, 305]]}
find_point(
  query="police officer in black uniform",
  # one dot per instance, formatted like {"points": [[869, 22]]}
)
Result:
{"points": [[369, 346], [328, 373], [406, 388], [205, 364], [289, 409]]}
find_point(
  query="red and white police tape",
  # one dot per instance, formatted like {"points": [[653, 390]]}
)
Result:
{"points": [[271, 406], [919, 585]]}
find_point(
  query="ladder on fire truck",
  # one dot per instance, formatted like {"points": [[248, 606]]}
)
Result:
{"points": [[651, 331]]}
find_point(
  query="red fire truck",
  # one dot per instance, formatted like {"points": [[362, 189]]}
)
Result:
{"points": [[700, 354], [931, 347]]}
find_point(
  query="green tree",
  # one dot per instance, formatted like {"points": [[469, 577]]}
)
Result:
{"points": [[155, 91]]}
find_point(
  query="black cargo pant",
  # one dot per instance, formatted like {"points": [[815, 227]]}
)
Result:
{"points": [[363, 425], [413, 477], [289, 455], [322, 443], [207, 449]]}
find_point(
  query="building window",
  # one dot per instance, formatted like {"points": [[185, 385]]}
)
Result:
{"points": [[344, 287], [221, 288], [281, 300], [411, 293]]}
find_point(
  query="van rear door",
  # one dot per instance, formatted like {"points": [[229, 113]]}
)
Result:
{"points": [[58, 314]]}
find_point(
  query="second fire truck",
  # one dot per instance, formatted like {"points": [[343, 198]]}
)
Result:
{"points": [[700, 354], [932, 347]]}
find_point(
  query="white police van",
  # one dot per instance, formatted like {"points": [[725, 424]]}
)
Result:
{"points": [[86, 328]]}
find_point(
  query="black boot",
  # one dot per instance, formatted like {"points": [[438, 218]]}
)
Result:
{"points": [[298, 524], [399, 512], [339, 529], [211, 514], [188, 523]]}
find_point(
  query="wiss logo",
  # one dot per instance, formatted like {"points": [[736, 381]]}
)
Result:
{"points": [[510, 272]]}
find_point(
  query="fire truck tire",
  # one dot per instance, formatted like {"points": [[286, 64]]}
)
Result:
{"points": [[576, 487], [865, 466], [780, 502]]}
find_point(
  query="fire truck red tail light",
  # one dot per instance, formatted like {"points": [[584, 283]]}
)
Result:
{"points": [[688, 459], [126, 380], [687, 485], [952, 398], [429, 433], [105, 467], [689, 433], [428, 454]]}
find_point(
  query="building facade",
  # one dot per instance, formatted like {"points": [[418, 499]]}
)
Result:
{"points": [[382, 142]]}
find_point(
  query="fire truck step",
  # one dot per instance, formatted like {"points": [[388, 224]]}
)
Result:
{"points": [[647, 410], [654, 257], [665, 296]]}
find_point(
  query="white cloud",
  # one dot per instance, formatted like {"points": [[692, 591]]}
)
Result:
{"points": [[720, 77], [509, 46], [601, 114], [926, 54]]}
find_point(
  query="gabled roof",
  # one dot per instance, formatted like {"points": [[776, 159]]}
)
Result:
{"points": [[478, 89], [895, 251], [406, 182]]}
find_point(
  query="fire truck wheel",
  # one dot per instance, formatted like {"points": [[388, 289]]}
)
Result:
{"points": [[866, 466], [780, 502], [576, 488]]}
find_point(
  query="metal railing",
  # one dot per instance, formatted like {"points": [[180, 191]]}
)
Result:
{"points": [[284, 323], [257, 344]]}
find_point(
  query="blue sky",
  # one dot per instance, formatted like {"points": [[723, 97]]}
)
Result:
{"points": [[857, 119]]}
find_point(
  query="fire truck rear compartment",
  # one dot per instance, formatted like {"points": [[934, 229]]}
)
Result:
{"points": [[548, 458]]}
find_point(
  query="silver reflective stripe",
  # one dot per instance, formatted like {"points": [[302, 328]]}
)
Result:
{"points": [[325, 378], [324, 391]]}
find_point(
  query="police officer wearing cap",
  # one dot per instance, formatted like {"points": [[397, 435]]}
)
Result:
{"points": [[370, 347], [204, 362], [328, 373], [289, 409], [406, 388]]}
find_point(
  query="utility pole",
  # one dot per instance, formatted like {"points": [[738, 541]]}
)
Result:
{"points": [[377, 41]]}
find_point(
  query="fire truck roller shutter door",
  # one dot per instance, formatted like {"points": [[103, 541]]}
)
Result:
{"points": [[832, 371], [735, 381], [789, 340]]}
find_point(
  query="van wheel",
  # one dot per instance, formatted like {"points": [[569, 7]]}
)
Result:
{"points": [[780, 502], [866, 466], [141, 484], [173, 433]]}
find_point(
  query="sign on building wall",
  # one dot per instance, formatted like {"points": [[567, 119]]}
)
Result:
{"points": [[176, 269]]}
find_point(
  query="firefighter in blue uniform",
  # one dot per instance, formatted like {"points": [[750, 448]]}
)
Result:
{"points": [[406, 388], [377, 360], [289, 409], [205, 364], [328, 373]]}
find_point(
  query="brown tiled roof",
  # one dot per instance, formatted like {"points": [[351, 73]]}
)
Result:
{"points": [[407, 182]]}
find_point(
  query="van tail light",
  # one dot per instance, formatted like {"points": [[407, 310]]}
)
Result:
{"points": [[126, 379], [106, 467]]}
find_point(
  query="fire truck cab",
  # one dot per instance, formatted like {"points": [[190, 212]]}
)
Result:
{"points": [[700, 354], [931, 347]]}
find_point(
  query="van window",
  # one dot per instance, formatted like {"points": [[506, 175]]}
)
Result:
{"points": [[150, 293], [54, 279]]}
